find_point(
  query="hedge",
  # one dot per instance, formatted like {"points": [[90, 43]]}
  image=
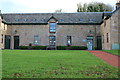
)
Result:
{"points": [[23, 47], [33, 47], [61, 47], [39, 47], [71, 47], [78, 47], [58, 47]]}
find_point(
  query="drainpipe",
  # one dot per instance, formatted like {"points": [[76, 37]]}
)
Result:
{"points": [[12, 41], [95, 42]]}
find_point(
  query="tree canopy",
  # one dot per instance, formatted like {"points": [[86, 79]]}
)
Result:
{"points": [[59, 11], [94, 7]]}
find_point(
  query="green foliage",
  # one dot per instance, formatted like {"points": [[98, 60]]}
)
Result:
{"points": [[23, 47], [94, 7], [71, 47], [54, 64], [78, 47], [0, 64], [58, 47], [61, 47], [39, 47], [95, 48], [33, 47]]}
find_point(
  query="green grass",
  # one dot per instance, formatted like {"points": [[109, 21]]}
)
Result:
{"points": [[115, 52], [0, 64], [54, 64]]}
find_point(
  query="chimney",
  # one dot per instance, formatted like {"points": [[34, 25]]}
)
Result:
{"points": [[118, 4], [0, 14]]}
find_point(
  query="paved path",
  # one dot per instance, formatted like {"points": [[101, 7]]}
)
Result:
{"points": [[108, 58]]}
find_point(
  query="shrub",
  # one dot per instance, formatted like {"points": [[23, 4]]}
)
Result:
{"points": [[95, 48], [33, 47], [61, 47], [39, 47], [23, 47], [71, 47], [78, 47], [58, 47]]}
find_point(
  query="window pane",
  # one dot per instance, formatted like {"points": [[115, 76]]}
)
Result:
{"points": [[36, 39], [52, 40], [107, 38], [69, 40], [52, 27]]}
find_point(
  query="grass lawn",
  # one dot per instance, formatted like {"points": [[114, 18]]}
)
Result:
{"points": [[54, 64], [115, 52]]}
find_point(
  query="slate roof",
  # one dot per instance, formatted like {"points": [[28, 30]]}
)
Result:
{"points": [[108, 14], [62, 18]]}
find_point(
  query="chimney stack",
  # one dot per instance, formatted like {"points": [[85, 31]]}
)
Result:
{"points": [[118, 4]]}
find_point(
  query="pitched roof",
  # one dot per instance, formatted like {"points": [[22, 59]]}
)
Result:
{"points": [[80, 17]]}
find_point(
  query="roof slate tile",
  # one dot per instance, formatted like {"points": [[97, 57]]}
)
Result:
{"points": [[60, 17]]}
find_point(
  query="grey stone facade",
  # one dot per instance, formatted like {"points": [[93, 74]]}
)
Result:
{"points": [[111, 26]]}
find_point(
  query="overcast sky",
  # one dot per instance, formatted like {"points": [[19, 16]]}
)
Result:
{"points": [[44, 6]]}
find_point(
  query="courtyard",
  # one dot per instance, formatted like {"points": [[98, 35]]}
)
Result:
{"points": [[54, 64]]}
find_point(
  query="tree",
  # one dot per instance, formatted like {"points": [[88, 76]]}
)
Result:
{"points": [[94, 7], [58, 11]]}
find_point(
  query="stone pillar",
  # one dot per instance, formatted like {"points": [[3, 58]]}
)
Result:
{"points": [[12, 42], [12, 37]]}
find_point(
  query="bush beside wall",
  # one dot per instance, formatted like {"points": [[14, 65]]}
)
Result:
{"points": [[61, 47], [39, 47], [23, 47], [58, 47], [33, 47], [78, 47], [72, 47]]}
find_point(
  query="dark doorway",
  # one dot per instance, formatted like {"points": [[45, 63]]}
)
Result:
{"points": [[99, 43], [7, 41], [16, 42]]}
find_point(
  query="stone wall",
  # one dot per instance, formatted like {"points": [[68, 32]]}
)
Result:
{"points": [[3, 28], [77, 32], [105, 29], [115, 30], [112, 27]]}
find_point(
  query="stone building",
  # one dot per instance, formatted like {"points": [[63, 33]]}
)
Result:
{"points": [[110, 29], [91, 29]]}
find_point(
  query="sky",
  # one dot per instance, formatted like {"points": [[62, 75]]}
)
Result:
{"points": [[44, 6]]}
